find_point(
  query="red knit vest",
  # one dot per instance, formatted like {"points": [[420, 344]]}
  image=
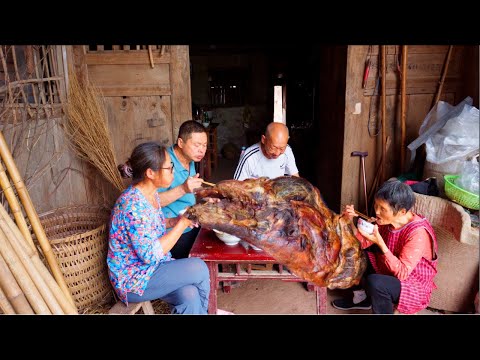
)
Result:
{"points": [[417, 288]]}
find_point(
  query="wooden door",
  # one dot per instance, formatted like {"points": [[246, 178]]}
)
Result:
{"points": [[146, 90]]}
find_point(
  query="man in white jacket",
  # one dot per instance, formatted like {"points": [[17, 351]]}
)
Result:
{"points": [[271, 157]]}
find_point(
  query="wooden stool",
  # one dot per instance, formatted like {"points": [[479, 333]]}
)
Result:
{"points": [[121, 309]]}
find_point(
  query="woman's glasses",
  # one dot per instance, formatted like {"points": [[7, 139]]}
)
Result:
{"points": [[169, 168]]}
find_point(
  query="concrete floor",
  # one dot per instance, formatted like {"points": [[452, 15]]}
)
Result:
{"points": [[272, 296], [279, 297]]}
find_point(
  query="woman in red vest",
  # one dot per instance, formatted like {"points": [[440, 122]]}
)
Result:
{"points": [[402, 252]]}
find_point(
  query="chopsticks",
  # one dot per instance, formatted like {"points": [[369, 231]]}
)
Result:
{"points": [[208, 183], [363, 215]]}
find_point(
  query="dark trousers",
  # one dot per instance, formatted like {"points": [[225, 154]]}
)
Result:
{"points": [[384, 292], [182, 247]]}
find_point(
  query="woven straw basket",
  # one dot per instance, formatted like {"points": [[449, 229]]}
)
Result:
{"points": [[79, 239]]}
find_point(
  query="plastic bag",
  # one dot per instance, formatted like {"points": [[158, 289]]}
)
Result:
{"points": [[458, 139], [469, 177], [440, 109], [435, 121]]}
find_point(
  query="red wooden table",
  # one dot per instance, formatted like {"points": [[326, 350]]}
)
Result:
{"points": [[215, 252]]}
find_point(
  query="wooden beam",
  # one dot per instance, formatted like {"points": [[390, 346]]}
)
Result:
{"points": [[403, 107], [180, 85], [135, 90], [384, 108], [444, 73], [126, 58]]}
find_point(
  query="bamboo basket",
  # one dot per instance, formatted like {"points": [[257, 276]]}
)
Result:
{"points": [[79, 239]]}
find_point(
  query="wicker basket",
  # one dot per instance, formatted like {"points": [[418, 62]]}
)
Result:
{"points": [[79, 239], [459, 195]]}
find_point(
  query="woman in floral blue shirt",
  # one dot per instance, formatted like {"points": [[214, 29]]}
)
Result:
{"points": [[140, 265]]}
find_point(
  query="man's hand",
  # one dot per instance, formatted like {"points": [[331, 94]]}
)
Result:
{"points": [[192, 183]]}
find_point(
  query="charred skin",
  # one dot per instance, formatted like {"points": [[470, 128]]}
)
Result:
{"points": [[288, 219]]}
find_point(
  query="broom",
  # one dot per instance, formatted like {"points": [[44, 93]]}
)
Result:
{"points": [[86, 127]]}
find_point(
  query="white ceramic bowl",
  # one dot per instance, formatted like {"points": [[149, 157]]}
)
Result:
{"points": [[365, 226], [227, 238]]}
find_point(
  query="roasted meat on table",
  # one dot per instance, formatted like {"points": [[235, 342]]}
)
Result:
{"points": [[288, 219]]}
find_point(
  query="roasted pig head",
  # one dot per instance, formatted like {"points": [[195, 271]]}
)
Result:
{"points": [[288, 219]]}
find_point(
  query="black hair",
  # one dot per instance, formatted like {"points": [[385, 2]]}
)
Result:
{"points": [[148, 155], [188, 128], [397, 194]]}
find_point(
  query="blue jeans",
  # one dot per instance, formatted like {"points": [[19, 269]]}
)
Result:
{"points": [[184, 284]]}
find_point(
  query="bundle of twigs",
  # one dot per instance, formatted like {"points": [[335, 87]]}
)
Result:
{"points": [[86, 126]]}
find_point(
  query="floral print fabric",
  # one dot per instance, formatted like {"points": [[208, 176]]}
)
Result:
{"points": [[134, 250]]}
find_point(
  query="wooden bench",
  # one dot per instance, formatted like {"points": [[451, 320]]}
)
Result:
{"points": [[121, 309]]}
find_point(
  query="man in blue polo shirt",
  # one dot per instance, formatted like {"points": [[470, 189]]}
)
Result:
{"points": [[190, 147]]}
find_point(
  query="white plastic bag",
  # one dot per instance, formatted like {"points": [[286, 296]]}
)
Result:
{"points": [[440, 109], [433, 122], [458, 139], [469, 177]]}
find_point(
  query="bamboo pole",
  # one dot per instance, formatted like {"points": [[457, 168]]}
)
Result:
{"points": [[37, 279], [5, 305], [12, 291], [56, 106], [5, 71], [10, 99], [47, 55], [30, 68], [15, 207], [20, 83], [41, 91], [67, 307], [17, 76], [150, 56], [33, 217], [21, 275], [403, 107], [384, 109], [29, 59], [444, 74], [373, 187]]}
